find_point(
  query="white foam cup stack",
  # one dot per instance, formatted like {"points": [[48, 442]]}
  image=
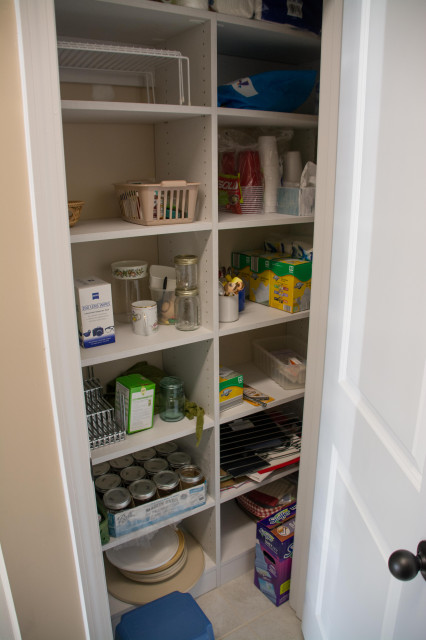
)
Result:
{"points": [[292, 170], [268, 151]]}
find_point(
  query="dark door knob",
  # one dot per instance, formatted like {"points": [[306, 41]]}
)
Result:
{"points": [[404, 565]]}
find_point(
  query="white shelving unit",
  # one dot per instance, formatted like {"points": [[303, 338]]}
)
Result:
{"points": [[106, 141]]}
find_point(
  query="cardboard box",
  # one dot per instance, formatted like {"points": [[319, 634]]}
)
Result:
{"points": [[230, 388], [293, 201], [148, 514], [274, 552], [241, 266], [299, 200], [260, 276], [134, 402], [290, 285], [94, 312]]}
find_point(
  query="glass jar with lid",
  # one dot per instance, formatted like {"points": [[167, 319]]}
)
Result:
{"points": [[118, 464], [127, 277], [143, 455], [167, 482], [186, 267], [172, 400], [187, 309], [143, 491], [166, 448], [131, 474], [190, 476], [178, 459], [116, 500], [106, 482], [100, 469], [155, 465]]}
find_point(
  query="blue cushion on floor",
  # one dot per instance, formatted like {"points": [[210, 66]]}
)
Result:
{"points": [[175, 616]]}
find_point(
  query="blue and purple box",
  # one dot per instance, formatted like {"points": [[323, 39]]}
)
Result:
{"points": [[274, 552]]}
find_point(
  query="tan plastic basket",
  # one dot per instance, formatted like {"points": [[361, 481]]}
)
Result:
{"points": [[169, 202]]}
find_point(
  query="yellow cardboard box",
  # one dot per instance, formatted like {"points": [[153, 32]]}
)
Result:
{"points": [[260, 276], [290, 285]]}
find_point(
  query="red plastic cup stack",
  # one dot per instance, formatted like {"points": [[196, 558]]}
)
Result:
{"points": [[251, 181]]}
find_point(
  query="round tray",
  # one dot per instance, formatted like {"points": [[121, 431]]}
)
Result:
{"points": [[159, 576], [137, 594], [156, 552]]}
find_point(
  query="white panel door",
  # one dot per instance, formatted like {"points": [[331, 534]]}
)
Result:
{"points": [[370, 495]]}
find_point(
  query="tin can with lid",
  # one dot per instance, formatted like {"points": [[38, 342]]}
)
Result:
{"points": [[190, 476], [166, 448], [127, 277], [143, 455], [172, 399], [117, 464], [167, 482], [100, 469], [187, 309], [106, 482], [130, 474], [116, 500], [155, 465], [186, 267], [143, 491], [178, 459]]}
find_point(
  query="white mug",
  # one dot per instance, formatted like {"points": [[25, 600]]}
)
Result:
{"points": [[144, 317]]}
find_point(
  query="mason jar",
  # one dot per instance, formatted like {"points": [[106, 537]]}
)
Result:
{"points": [[143, 491], [131, 474], [118, 464], [178, 459], [100, 469], [116, 500], [155, 465], [186, 271], [190, 476], [165, 449], [172, 400], [187, 309], [143, 455], [167, 482], [106, 482]]}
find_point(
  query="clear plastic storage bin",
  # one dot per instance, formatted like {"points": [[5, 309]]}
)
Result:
{"points": [[282, 358]]}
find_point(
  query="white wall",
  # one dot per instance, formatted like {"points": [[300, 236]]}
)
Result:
{"points": [[34, 530]]}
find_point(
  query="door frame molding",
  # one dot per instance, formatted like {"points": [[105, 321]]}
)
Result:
{"points": [[331, 41]]}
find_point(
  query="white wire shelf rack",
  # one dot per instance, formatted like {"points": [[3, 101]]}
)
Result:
{"points": [[130, 60]]}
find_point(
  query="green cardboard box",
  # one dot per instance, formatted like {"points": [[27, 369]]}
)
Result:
{"points": [[134, 402], [230, 388]]}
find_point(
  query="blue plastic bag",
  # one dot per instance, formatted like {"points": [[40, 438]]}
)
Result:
{"points": [[269, 91]]}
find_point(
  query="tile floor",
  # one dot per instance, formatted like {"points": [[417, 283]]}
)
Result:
{"points": [[239, 611]]}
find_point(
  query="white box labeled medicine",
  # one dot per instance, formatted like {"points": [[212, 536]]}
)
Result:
{"points": [[94, 312]]}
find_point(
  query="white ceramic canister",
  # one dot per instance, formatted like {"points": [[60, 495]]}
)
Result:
{"points": [[127, 277]]}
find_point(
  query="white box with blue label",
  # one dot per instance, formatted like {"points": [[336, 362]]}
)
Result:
{"points": [[145, 515], [95, 316]]}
